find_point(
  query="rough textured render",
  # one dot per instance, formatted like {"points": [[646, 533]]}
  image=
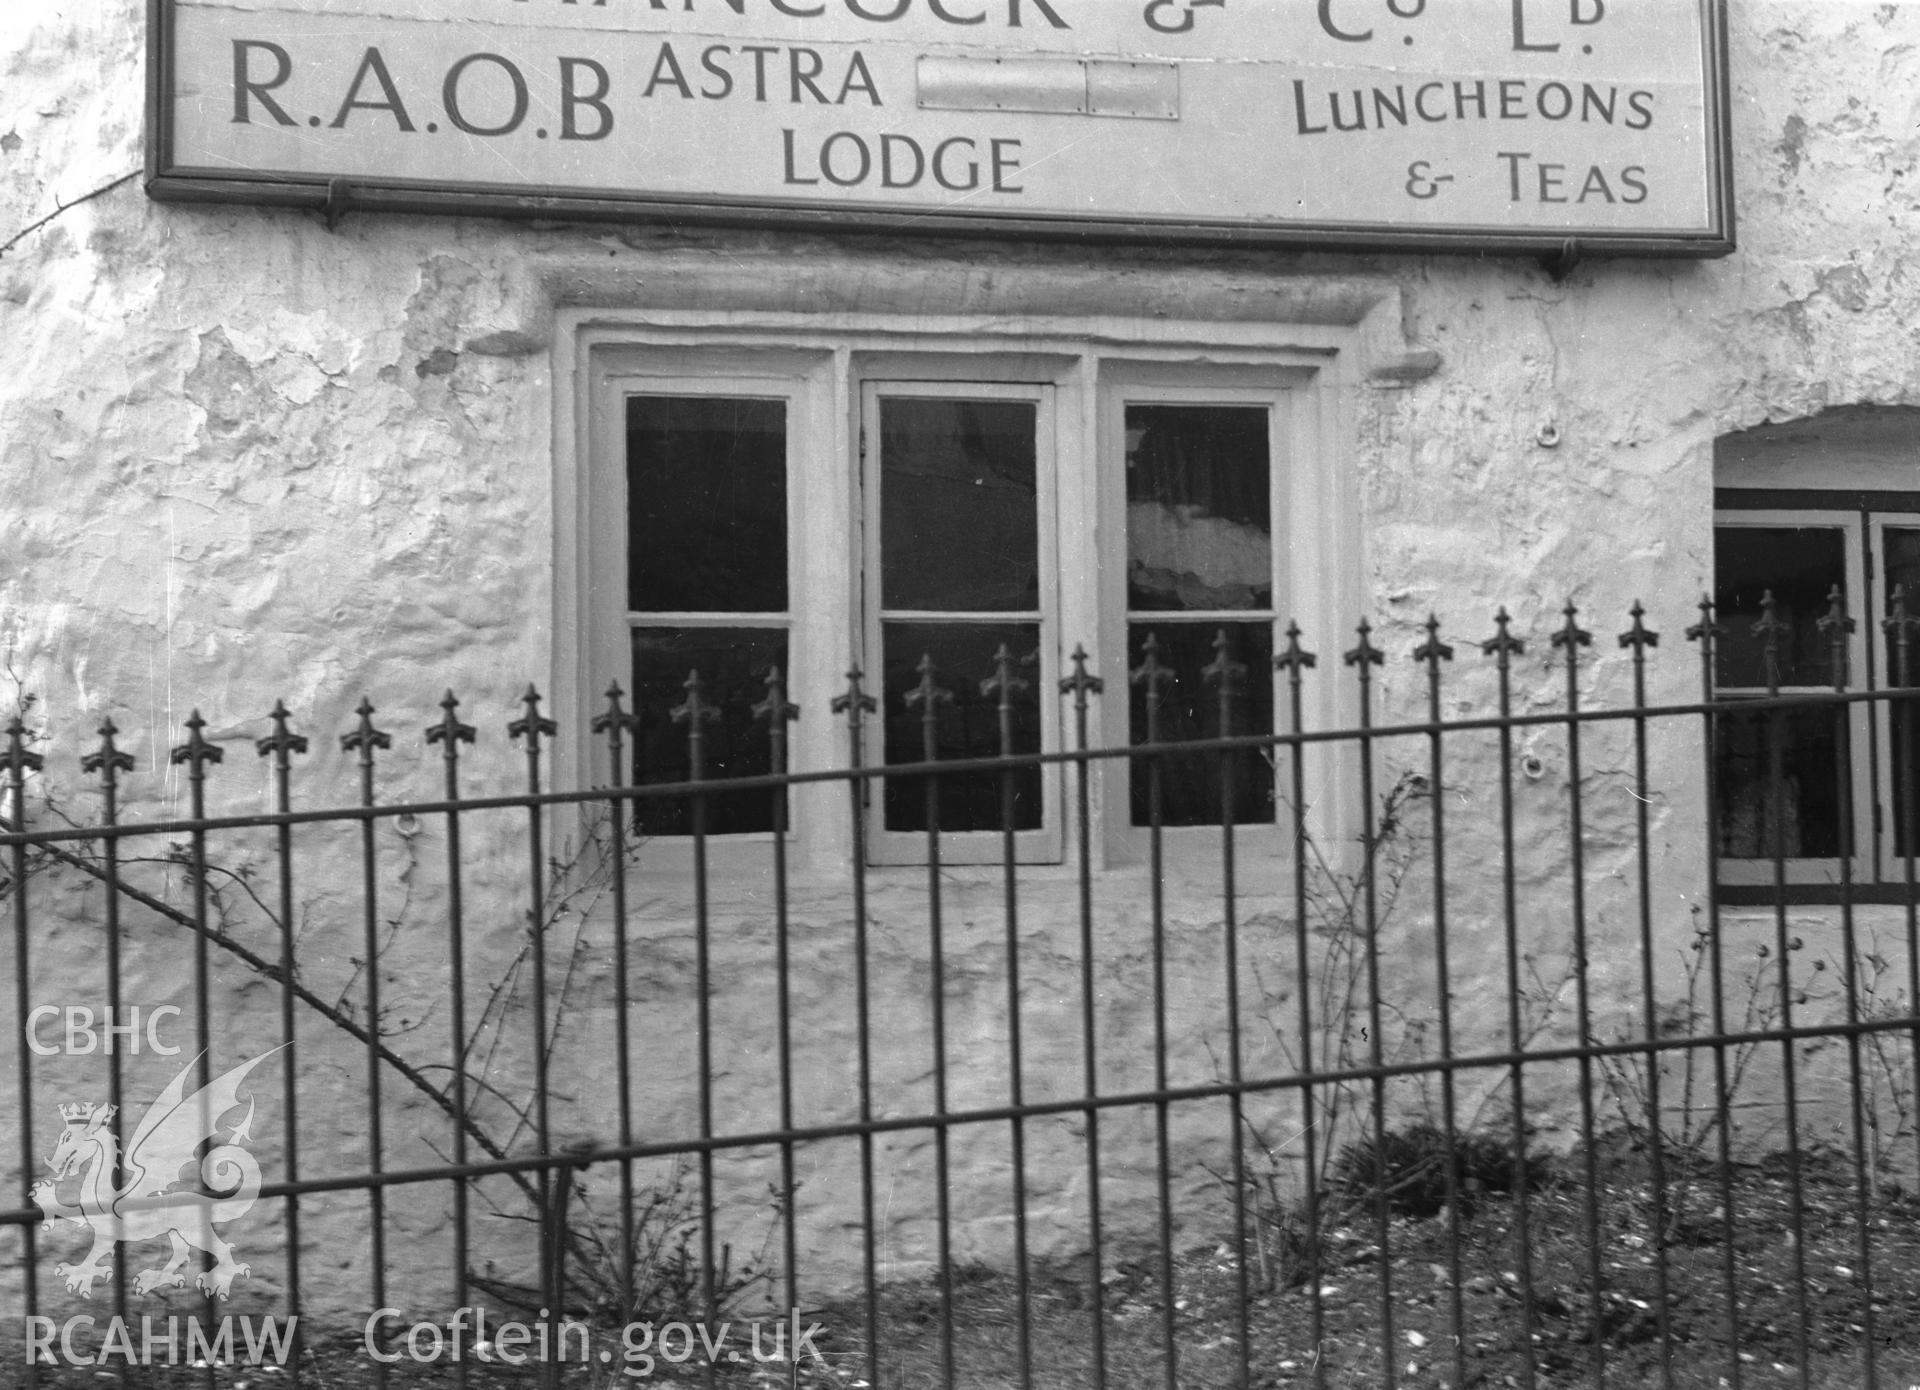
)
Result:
{"points": [[250, 458]]}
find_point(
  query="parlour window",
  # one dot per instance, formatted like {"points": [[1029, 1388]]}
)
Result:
{"points": [[935, 517], [1825, 793]]}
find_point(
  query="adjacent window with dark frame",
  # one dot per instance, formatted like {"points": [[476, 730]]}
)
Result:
{"points": [[1822, 793]]}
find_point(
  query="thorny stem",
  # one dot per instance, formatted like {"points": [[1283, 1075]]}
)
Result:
{"points": [[59, 208]]}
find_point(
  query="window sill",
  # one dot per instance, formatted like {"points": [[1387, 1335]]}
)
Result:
{"points": [[1814, 894]]}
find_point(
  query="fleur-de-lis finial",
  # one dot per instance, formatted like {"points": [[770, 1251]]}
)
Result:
{"points": [[1080, 684], [21, 759], [1295, 658], [1503, 643], [1838, 625], [365, 738], [532, 725], [1223, 671], [1770, 630], [1433, 651], [1640, 637], [1003, 682], [448, 729], [928, 694], [107, 759], [1154, 676], [1706, 630], [776, 701], [1571, 636], [1154, 679], [856, 701], [283, 740], [196, 751], [1365, 654], [928, 697], [615, 720], [1900, 625]]}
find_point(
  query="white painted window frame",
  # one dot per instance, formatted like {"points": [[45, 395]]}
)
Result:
{"points": [[1308, 371], [1291, 484], [1039, 846]]}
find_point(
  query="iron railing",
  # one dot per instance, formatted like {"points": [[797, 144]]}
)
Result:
{"points": [[1465, 1067]]}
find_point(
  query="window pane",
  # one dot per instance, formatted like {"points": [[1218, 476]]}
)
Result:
{"points": [[1902, 548], [959, 513], [1190, 783], [968, 728], [1199, 520], [1806, 804], [1801, 565], [706, 505], [733, 663]]}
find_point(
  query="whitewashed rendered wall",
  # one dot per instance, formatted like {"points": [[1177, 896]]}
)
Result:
{"points": [[246, 458]]}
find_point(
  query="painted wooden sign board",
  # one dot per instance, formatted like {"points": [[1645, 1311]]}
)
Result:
{"points": [[1466, 125]]}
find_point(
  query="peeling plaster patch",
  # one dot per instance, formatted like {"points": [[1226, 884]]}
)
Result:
{"points": [[296, 378], [218, 383], [1846, 286], [1793, 143], [439, 362], [10, 142]]}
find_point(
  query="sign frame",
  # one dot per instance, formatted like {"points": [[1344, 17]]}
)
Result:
{"points": [[170, 181]]}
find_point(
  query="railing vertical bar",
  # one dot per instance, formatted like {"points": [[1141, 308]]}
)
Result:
{"points": [[856, 704], [364, 740], [1225, 674], [109, 761], [282, 743], [19, 762], [778, 711], [1571, 638], [1503, 647], [1004, 684], [451, 733], [614, 723], [1770, 629], [1839, 627], [1294, 660], [929, 698], [1705, 632], [1639, 638], [116, 1006], [1900, 624], [1155, 678], [553, 1217], [696, 714], [1080, 684], [196, 753], [1431, 653], [1363, 658]]}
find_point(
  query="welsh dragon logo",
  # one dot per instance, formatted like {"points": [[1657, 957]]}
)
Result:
{"points": [[156, 1199]]}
